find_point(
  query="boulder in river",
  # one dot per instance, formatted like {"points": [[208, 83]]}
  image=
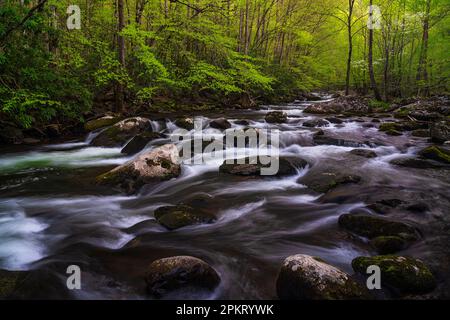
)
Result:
{"points": [[139, 142], [175, 217], [436, 153], [286, 165], [418, 163], [404, 274], [335, 120], [421, 133], [221, 124], [440, 131], [304, 277], [372, 226], [323, 182], [118, 134], [105, 121], [276, 117], [316, 123], [388, 244], [158, 164], [364, 153], [168, 275], [185, 123]]}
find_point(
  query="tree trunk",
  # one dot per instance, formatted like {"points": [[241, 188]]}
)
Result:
{"points": [[373, 82], [351, 4], [121, 54], [422, 72]]}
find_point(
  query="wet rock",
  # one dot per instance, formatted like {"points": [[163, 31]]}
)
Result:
{"points": [[414, 125], [175, 217], [325, 181], [31, 141], [287, 166], [316, 123], [139, 142], [385, 205], [185, 123], [10, 282], [321, 139], [440, 131], [242, 122], [276, 117], [364, 153], [118, 134], [309, 97], [105, 121], [421, 133], [436, 153], [376, 120], [348, 105], [221, 124], [389, 244], [53, 130], [418, 163], [404, 274], [389, 126], [334, 120], [418, 207], [165, 276], [303, 277], [424, 115], [371, 227], [10, 134], [158, 164]]}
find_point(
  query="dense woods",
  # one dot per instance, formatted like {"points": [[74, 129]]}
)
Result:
{"points": [[131, 55]]}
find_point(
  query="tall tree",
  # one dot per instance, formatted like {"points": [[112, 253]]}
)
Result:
{"points": [[373, 82], [121, 55]]}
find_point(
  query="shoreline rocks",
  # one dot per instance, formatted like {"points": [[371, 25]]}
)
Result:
{"points": [[305, 277]]}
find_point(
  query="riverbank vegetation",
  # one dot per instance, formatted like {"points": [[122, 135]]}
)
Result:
{"points": [[135, 56]]}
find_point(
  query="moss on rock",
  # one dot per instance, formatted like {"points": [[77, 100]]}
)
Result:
{"points": [[436, 153], [405, 274]]}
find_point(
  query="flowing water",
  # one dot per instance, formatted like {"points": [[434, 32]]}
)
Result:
{"points": [[52, 214]]}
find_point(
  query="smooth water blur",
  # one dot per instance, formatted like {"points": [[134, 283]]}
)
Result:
{"points": [[51, 211]]}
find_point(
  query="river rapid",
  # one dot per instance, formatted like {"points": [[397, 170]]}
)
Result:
{"points": [[52, 214]]}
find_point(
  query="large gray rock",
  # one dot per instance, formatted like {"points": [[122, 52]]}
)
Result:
{"points": [[158, 164], [303, 277], [164, 276], [118, 134]]}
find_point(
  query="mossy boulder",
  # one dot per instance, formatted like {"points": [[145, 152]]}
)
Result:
{"points": [[371, 226], [276, 117], [253, 167], [105, 121], [364, 153], [421, 133], [139, 142], [185, 123], [159, 164], [304, 277], [168, 275], [418, 163], [175, 217], [390, 126], [436, 153], [388, 244], [221, 124], [118, 134], [326, 181], [404, 274], [440, 131]]}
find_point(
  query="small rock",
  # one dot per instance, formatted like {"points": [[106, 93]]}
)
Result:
{"points": [[440, 131], [221, 124], [316, 123], [185, 123], [418, 207], [421, 133], [168, 275], [417, 163], [334, 120], [175, 217], [364, 153], [405, 274], [388, 244], [304, 277], [286, 165], [326, 181], [276, 117], [242, 122], [371, 227], [31, 141]]}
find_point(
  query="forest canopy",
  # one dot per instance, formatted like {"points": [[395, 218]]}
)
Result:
{"points": [[164, 54]]}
